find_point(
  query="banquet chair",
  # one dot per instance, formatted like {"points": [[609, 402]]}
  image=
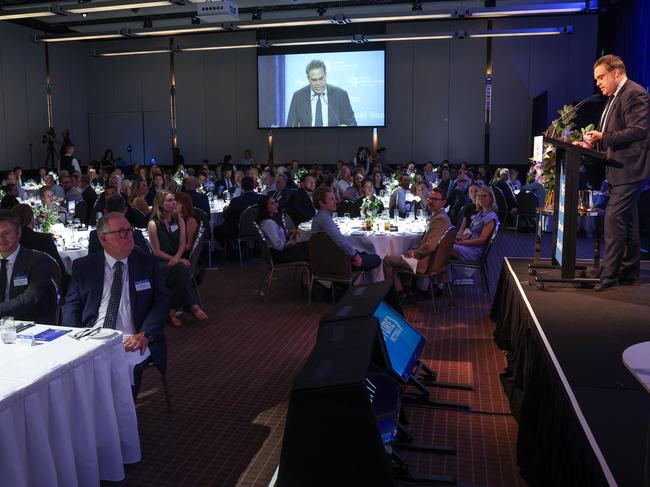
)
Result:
{"points": [[136, 217], [461, 215], [480, 264], [329, 263], [271, 267], [287, 221], [247, 232], [149, 364], [81, 211], [502, 212], [195, 255], [347, 206], [204, 219], [438, 267], [526, 207], [56, 282]]}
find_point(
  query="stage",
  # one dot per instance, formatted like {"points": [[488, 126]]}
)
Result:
{"points": [[583, 417]]}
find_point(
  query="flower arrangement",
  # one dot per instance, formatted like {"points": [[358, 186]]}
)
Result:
{"points": [[299, 174], [371, 207], [178, 178], [544, 172], [55, 176], [46, 217]]}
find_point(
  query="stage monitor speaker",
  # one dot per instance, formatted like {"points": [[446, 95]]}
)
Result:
{"points": [[343, 411], [362, 301]]}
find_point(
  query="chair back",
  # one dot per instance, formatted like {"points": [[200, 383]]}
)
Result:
{"points": [[489, 243], [287, 221], [347, 206], [325, 257], [246, 223], [201, 217], [197, 247], [461, 215], [56, 282], [440, 259], [137, 218], [392, 204], [81, 211], [526, 203], [501, 203], [264, 248]]}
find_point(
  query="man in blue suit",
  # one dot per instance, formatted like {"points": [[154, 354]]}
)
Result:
{"points": [[319, 104], [120, 288]]}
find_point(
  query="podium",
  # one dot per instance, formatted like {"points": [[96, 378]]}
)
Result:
{"points": [[569, 158]]}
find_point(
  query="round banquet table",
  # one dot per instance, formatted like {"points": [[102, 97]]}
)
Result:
{"points": [[379, 241]]}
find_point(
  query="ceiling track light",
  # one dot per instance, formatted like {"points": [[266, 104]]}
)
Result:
{"points": [[195, 20], [340, 19], [417, 6], [321, 10], [257, 14], [147, 23]]}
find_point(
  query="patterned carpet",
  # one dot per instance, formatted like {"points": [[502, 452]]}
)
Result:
{"points": [[230, 380]]}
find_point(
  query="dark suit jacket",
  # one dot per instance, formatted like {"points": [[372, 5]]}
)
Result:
{"points": [[626, 139], [282, 197], [221, 183], [138, 239], [232, 214], [199, 200], [44, 242], [507, 194], [30, 302], [89, 196], [300, 207], [149, 307], [339, 110]]}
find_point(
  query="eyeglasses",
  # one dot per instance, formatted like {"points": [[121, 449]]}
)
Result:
{"points": [[436, 199], [122, 232]]}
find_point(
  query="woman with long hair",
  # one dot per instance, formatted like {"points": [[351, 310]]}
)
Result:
{"points": [[185, 211], [469, 245], [167, 235], [378, 182], [282, 243], [139, 193], [471, 209]]}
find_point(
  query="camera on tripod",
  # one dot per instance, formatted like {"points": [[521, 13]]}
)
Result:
{"points": [[48, 137]]}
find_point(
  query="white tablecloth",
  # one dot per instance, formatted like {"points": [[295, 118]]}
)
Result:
{"points": [[71, 244], [378, 241], [67, 416]]}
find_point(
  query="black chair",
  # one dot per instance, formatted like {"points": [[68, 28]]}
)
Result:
{"points": [[148, 365], [136, 217], [271, 267], [204, 219], [247, 231], [480, 264], [526, 207], [195, 255], [347, 206], [56, 283], [502, 203], [81, 211]]}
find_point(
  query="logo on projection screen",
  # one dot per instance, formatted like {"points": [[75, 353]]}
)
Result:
{"points": [[391, 329]]}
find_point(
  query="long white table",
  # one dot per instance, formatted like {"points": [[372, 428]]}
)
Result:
{"points": [[67, 416]]}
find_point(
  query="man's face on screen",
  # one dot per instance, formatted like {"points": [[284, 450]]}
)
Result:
{"points": [[317, 80]]}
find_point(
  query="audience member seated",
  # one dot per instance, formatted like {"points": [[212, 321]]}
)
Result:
{"points": [[167, 235], [24, 276], [421, 191], [139, 196], [398, 197], [281, 194], [514, 183], [269, 182], [470, 209], [509, 195], [72, 192], [469, 245], [369, 194], [283, 244], [133, 296], [301, 206], [445, 179], [185, 210], [56, 189], [225, 183], [88, 195], [378, 183], [229, 229], [458, 198], [157, 185], [356, 191], [345, 184], [325, 202], [199, 200], [329, 182], [430, 176], [537, 189], [43, 242], [10, 199], [48, 202], [115, 204], [395, 264]]}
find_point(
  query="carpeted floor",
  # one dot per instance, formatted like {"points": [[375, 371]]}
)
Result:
{"points": [[230, 380]]}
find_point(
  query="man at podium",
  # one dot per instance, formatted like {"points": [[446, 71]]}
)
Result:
{"points": [[623, 133]]}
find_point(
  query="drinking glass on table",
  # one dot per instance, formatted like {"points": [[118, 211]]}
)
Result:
{"points": [[346, 216], [335, 215], [420, 214], [8, 329]]}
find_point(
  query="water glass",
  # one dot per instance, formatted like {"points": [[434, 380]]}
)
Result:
{"points": [[335, 215], [8, 329], [420, 214], [346, 216]]}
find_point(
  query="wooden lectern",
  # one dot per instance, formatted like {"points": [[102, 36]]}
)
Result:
{"points": [[567, 174]]}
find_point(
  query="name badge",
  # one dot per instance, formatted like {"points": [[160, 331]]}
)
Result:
{"points": [[173, 228], [20, 281], [142, 285]]}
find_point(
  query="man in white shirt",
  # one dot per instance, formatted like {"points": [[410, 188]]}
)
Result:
{"points": [[132, 296]]}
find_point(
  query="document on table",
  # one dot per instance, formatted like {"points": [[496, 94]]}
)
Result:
{"points": [[413, 263]]}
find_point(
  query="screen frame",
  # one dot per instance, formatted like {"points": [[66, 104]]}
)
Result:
{"points": [[316, 49], [410, 365]]}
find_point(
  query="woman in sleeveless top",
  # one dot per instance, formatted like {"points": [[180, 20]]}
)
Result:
{"points": [[167, 236]]}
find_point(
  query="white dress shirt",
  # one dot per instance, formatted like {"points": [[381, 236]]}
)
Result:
{"points": [[124, 320], [605, 115], [11, 260], [323, 102]]}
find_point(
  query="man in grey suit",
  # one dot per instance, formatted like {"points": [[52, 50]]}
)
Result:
{"points": [[319, 104], [624, 135]]}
